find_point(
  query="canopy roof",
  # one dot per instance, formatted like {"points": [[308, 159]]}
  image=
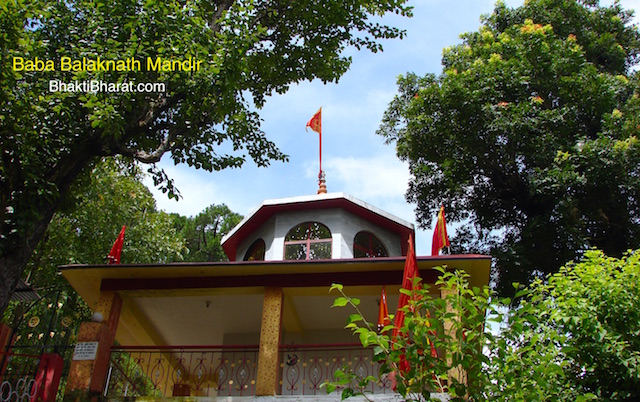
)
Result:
{"points": [[181, 303]]}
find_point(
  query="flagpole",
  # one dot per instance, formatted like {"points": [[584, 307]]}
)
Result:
{"points": [[320, 136]]}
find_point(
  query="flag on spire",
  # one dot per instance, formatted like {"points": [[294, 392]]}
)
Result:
{"points": [[315, 123], [440, 237], [383, 311], [116, 250]]}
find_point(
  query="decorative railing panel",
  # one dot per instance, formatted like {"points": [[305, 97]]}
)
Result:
{"points": [[306, 367], [232, 370], [17, 377], [182, 371]]}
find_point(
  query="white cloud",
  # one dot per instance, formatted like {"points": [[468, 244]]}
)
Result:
{"points": [[376, 177]]}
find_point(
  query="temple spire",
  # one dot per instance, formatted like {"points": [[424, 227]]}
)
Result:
{"points": [[322, 185]]}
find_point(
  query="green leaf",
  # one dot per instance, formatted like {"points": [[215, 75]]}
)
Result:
{"points": [[364, 339], [347, 393], [354, 318], [329, 386], [340, 302], [335, 286]]}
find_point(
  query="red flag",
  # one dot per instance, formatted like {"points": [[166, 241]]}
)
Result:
{"points": [[440, 237], [410, 272], [315, 123], [383, 311], [116, 250]]}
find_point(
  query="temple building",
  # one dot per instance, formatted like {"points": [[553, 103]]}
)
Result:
{"points": [[261, 323]]}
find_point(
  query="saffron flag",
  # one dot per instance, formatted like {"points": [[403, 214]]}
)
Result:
{"points": [[408, 276], [116, 250], [410, 272], [383, 311], [440, 237], [315, 123]]}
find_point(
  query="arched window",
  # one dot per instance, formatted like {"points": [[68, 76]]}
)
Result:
{"points": [[366, 245], [308, 241], [255, 251]]}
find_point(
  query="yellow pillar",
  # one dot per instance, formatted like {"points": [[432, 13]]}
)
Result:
{"points": [[270, 331], [87, 373]]}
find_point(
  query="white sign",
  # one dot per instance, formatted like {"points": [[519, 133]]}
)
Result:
{"points": [[85, 351]]}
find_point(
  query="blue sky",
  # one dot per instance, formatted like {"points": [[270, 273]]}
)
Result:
{"points": [[355, 159]]}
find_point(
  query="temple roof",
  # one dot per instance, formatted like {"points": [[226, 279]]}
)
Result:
{"points": [[269, 208]]}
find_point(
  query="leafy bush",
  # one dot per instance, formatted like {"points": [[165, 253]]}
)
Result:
{"points": [[575, 337], [439, 347]]}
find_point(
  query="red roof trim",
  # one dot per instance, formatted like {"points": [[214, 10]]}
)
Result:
{"points": [[443, 258]]}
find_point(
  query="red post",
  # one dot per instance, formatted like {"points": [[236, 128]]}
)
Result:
{"points": [[6, 340], [48, 377]]}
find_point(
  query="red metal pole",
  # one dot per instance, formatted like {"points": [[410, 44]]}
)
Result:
{"points": [[320, 136]]}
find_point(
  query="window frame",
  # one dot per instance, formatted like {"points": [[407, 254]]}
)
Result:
{"points": [[308, 241], [368, 252]]}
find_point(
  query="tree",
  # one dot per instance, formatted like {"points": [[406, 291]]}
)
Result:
{"points": [[529, 136], [206, 117], [107, 196], [203, 233]]}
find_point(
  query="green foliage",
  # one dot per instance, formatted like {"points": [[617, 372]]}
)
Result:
{"points": [[205, 118], [203, 233], [109, 195], [574, 336], [571, 338], [530, 136], [349, 382], [106, 197]]}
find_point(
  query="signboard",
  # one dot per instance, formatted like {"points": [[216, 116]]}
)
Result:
{"points": [[85, 351]]}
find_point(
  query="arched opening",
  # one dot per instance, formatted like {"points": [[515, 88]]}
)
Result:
{"points": [[255, 251], [366, 245], [308, 241]]}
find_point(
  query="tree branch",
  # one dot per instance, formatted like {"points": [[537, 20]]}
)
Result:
{"points": [[153, 110], [149, 157], [221, 7]]}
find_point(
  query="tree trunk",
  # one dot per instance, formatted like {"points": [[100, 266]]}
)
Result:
{"points": [[16, 253], [15, 259]]}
